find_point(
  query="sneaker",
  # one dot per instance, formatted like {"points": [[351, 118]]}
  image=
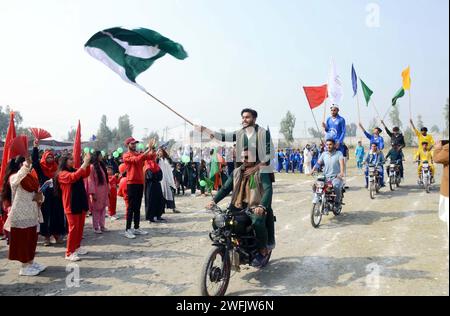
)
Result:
{"points": [[258, 261], [114, 218], [98, 231], [38, 267], [271, 247], [73, 257], [129, 234], [29, 271], [139, 232], [47, 243], [81, 251]]}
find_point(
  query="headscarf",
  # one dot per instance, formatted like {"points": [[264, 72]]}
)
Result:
{"points": [[153, 166], [49, 170]]}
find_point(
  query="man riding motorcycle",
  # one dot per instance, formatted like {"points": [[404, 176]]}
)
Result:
{"points": [[424, 154], [375, 157], [396, 155], [253, 191], [333, 167]]}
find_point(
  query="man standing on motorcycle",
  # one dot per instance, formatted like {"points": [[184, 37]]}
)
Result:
{"points": [[425, 154], [333, 167], [397, 139], [375, 157], [423, 136], [251, 189]]}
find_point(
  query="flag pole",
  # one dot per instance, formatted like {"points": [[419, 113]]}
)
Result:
{"points": [[410, 111], [168, 107], [317, 125]]}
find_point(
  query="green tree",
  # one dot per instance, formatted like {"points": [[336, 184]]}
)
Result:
{"points": [[419, 124], [351, 130], [4, 120], [394, 117], [314, 133], [104, 135], [124, 129], [435, 129], [287, 127], [373, 123], [410, 136], [71, 135], [153, 134]]}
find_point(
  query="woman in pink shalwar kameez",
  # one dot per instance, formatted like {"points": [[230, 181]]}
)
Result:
{"points": [[98, 191]]}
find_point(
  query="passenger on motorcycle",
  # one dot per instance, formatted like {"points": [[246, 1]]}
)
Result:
{"points": [[375, 157], [252, 191], [333, 167], [396, 156], [424, 154]]}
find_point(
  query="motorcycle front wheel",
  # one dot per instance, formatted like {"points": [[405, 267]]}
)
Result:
{"points": [[316, 215], [426, 184], [372, 190], [392, 182], [216, 272]]}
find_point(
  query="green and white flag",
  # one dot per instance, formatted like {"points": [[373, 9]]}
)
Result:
{"points": [[131, 52]]}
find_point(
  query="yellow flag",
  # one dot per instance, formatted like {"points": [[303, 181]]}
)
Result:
{"points": [[406, 79]]}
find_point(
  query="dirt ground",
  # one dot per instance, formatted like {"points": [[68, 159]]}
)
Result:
{"points": [[393, 245]]}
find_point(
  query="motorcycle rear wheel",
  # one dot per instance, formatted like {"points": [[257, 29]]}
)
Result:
{"points": [[219, 276]]}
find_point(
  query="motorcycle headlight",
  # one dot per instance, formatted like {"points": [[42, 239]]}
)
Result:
{"points": [[219, 221]]}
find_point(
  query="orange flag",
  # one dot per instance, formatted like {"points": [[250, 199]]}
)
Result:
{"points": [[406, 74]]}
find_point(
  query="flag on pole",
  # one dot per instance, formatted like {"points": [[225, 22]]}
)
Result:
{"points": [[10, 135], [354, 81], [316, 95], [131, 52], [77, 148], [335, 89], [367, 92], [400, 93], [406, 74]]}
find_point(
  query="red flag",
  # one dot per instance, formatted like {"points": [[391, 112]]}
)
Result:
{"points": [[316, 95], [10, 135], [77, 148], [19, 147]]}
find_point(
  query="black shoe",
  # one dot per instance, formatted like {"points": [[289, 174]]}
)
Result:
{"points": [[152, 221], [160, 219], [176, 211]]}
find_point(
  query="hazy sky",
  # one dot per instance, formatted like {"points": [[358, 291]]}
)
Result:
{"points": [[254, 53]]}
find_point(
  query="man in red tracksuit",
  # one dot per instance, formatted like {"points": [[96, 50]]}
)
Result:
{"points": [[134, 162]]}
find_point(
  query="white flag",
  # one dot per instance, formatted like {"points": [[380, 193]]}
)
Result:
{"points": [[335, 89]]}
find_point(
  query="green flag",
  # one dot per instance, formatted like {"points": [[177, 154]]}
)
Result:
{"points": [[400, 93], [367, 92]]}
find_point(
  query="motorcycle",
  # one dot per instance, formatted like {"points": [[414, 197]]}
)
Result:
{"points": [[324, 200], [394, 174], [374, 181], [425, 176], [234, 244]]}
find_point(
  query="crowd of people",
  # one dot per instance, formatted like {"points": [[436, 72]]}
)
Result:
{"points": [[47, 194]]}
